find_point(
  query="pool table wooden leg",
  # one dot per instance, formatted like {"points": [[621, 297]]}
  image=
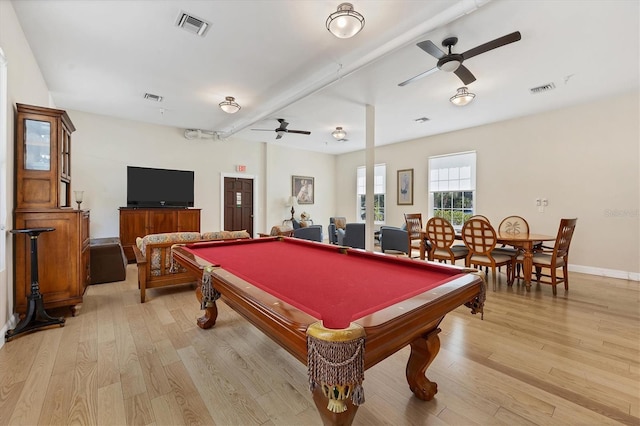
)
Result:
{"points": [[330, 418], [423, 352], [208, 320]]}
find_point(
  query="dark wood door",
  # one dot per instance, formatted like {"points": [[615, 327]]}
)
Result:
{"points": [[238, 204]]}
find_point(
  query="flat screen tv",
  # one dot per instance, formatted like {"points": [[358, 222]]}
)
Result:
{"points": [[148, 187]]}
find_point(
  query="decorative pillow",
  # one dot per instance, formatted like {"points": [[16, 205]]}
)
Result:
{"points": [[169, 237], [340, 222], [281, 230]]}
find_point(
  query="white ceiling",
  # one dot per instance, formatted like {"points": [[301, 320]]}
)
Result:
{"points": [[279, 61]]}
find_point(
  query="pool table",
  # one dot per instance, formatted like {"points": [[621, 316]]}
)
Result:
{"points": [[338, 310]]}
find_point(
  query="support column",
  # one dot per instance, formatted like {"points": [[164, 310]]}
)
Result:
{"points": [[370, 167]]}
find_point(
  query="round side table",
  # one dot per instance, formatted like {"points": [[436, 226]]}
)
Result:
{"points": [[36, 316]]}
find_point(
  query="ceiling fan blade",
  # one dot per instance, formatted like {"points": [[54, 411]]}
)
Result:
{"points": [[493, 44], [419, 76], [263, 130], [302, 132], [431, 49], [465, 75], [279, 135], [283, 124]]}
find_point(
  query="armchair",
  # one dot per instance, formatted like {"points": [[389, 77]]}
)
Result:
{"points": [[311, 233], [394, 239], [335, 223], [352, 235]]}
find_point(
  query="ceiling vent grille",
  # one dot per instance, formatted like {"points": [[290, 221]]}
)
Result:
{"points": [[192, 24], [543, 88], [153, 97]]}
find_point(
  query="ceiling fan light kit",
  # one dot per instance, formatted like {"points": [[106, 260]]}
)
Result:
{"points": [[345, 22], [462, 97], [452, 62], [229, 105], [339, 134]]}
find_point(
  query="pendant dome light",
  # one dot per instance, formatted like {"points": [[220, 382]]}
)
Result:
{"points": [[345, 22], [229, 105], [462, 97], [339, 134]]}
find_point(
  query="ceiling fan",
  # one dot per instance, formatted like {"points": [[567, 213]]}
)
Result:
{"points": [[452, 62], [282, 129]]}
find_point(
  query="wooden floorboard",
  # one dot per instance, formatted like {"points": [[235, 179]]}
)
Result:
{"points": [[535, 359]]}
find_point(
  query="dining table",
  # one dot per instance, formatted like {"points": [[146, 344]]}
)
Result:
{"points": [[524, 241]]}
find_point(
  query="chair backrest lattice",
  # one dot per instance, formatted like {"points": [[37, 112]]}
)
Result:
{"points": [[440, 233], [479, 236], [563, 240], [514, 225], [479, 216]]}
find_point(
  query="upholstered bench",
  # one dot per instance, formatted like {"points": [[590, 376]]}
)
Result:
{"points": [[153, 257], [108, 262]]}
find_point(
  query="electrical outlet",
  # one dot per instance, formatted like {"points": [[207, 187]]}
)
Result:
{"points": [[545, 202], [538, 202]]}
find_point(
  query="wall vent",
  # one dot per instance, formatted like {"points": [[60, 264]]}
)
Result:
{"points": [[192, 24], [153, 97], [543, 88]]}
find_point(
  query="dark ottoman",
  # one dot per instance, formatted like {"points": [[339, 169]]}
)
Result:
{"points": [[108, 262]]}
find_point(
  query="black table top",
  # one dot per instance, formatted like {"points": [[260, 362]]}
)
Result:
{"points": [[32, 231]]}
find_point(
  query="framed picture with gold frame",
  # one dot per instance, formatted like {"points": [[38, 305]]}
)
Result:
{"points": [[405, 187]]}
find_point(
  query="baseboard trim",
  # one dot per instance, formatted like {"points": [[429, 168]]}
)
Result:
{"points": [[11, 324], [604, 272]]}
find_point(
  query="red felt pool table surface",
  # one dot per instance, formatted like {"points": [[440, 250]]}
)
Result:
{"points": [[337, 288]]}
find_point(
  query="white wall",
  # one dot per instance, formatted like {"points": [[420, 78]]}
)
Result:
{"points": [[584, 159], [25, 85], [285, 162], [103, 146]]}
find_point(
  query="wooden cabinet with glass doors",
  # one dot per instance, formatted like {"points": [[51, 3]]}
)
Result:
{"points": [[43, 199]]}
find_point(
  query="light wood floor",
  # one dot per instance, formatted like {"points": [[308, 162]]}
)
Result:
{"points": [[535, 359]]}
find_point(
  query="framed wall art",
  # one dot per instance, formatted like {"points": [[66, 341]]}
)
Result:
{"points": [[302, 188], [405, 187]]}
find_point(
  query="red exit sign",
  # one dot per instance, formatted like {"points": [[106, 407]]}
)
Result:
{"points": [[241, 168]]}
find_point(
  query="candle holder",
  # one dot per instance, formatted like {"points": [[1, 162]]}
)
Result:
{"points": [[79, 196]]}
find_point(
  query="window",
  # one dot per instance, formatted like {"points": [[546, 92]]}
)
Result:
{"points": [[379, 189], [452, 186]]}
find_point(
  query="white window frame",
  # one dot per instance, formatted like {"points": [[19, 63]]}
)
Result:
{"points": [[454, 174], [379, 188]]}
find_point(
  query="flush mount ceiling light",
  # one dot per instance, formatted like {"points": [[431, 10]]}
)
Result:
{"points": [[463, 97], [229, 105], [339, 134], [346, 22]]}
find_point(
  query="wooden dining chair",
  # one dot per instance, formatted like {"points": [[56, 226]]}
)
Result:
{"points": [[413, 223], [480, 238], [555, 257], [479, 216], [441, 234], [512, 225], [486, 219]]}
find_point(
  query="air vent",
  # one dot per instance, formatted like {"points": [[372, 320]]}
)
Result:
{"points": [[543, 88], [153, 97], [192, 24], [421, 120]]}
